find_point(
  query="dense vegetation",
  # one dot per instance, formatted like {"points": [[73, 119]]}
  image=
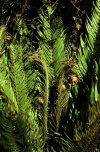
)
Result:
{"points": [[50, 76]]}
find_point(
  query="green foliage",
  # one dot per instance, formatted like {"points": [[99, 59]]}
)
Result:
{"points": [[14, 91], [33, 115]]}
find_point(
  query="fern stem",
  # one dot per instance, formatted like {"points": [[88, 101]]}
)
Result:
{"points": [[45, 117], [59, 107]]}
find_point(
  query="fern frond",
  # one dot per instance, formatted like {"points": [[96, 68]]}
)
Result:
{"points": [[58, 40], [43, 81], [94, 90], [89, 139], [20, 86], [87, 46], [5, 83], [52, 51], [63, 96], [87, 62], [7, 137]]}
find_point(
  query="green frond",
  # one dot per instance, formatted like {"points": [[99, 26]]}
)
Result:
{"points": [[52, 44], [88, 61], [5, 83], [7, 136], [58, 40], [63, 97], [87, 46], [94, 91], [29, 130], [44, 41], [26, 49], [46, 57], [51, 52]]}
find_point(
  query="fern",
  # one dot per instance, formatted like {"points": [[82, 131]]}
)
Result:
{"points": [[33, 113], [19, 77], [87, 46], [7, 136], [51, 56]]}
